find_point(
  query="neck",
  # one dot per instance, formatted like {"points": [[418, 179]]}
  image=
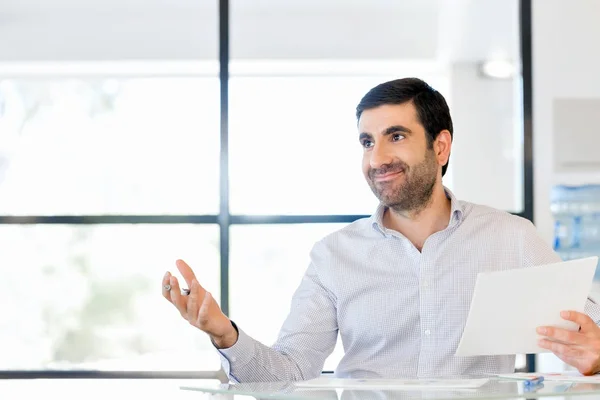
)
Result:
{"points": [[418, 225]]}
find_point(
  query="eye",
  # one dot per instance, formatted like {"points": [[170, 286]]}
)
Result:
{"points": [[367, 144], [396, 137]]}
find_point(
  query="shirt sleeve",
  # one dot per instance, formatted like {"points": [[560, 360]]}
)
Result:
{"points": [[537, 252], [307, 338]]}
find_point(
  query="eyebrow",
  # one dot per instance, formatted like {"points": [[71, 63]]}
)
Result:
{"points": [[388, 131]]}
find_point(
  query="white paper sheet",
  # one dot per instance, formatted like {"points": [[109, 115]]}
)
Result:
{"points": [[391, 384], [508, 306]]}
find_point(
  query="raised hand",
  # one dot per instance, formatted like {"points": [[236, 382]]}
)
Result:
{"points": [[198, 307]]}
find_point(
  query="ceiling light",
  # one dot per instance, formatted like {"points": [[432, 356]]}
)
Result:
{"points": [[498, 69]]}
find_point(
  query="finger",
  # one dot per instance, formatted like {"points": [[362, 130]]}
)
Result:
{"points": [[563, 335], [583, 320], [186, 272], [166, 286], [203, 315], [564, 350], [193, 304], [176, 298], [189, 276]]}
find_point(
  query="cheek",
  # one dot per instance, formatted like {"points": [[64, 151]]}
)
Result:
{"points": [[366, 164], [413, 156]]}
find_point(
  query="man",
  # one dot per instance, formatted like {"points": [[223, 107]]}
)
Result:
{"points": [[396, 286]]}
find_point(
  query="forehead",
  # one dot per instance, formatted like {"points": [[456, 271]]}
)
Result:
{"points": [[376, 120]]}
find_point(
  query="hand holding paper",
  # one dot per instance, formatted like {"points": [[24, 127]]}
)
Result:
{"points": [[580, 349], [508, 306]]}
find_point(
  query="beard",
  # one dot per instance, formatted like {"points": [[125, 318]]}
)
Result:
{"points": [[415, 188]]}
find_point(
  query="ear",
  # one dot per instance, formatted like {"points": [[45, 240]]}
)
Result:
{"points": [[442, 146]]}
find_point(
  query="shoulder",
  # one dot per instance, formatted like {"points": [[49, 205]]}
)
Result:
{"points": [[519, 233], [493, 218], [344, 240]]}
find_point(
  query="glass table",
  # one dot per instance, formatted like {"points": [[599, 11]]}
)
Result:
{"points": [[494, 389], [191, 389]]}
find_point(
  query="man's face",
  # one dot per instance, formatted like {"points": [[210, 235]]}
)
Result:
{"points": [[398, 164]]}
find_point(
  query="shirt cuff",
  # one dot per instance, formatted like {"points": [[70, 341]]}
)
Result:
{"points": [[593, 310], [239, 354]]}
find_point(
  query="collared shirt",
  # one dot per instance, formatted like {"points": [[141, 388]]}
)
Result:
{"points": [[399, 312]]}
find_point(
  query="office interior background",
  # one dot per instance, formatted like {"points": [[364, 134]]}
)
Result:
{"points": [[126, 143]]}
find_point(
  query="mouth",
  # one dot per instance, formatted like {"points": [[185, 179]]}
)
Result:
{"points": [[387, 177]]}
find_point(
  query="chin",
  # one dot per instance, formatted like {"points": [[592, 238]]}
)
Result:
{"points": [[386, 200]]}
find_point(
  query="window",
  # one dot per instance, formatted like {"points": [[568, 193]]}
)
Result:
{"points": [[111, 170], [84, 162], [85, 296], [109, 146]]}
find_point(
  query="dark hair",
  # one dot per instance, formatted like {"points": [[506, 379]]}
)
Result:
{"points": [[432, 110]]}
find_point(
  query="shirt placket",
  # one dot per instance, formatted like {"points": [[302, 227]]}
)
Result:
{"points": [[427, 330]]}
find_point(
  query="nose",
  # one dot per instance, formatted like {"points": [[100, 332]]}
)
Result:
{"points": [[380, 156]]}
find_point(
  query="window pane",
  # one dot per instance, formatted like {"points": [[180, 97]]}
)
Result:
{"points": [[109, 146], [265, 273], [89, 297], [304, 158]]}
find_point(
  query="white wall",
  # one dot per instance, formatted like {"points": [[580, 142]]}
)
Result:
{"points": [[486, 159], [566, 63], [61, 30], [458, 30], [58, 30]]}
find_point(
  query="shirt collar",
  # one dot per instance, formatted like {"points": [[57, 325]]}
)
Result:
{"points": [[456, 213]]}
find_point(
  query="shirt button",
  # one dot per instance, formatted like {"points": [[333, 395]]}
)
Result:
{"points": [[425, 284], [233, 359], [427, 332]]}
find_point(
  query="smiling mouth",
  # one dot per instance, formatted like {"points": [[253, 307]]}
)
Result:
{"points": [[387, 177]]}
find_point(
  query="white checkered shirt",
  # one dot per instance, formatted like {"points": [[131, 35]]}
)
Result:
{"points": [[399, 312]]}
